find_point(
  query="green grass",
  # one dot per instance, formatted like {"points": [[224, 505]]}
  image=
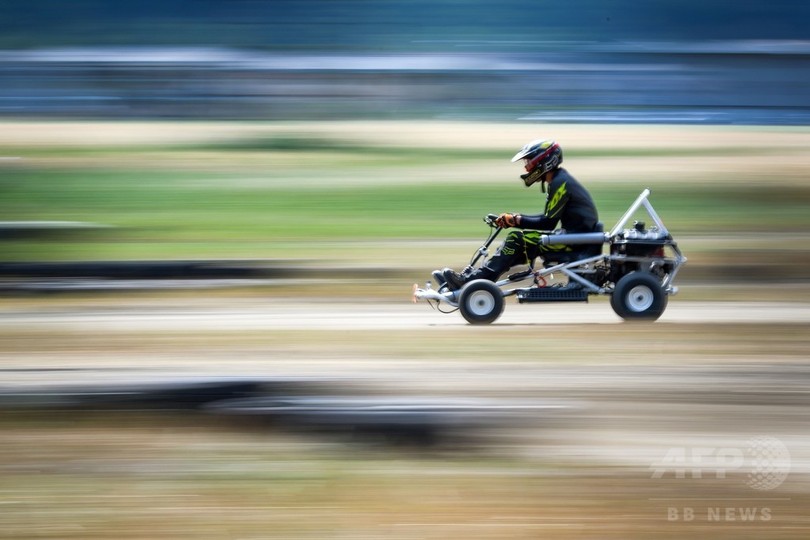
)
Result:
{"points": [[239, 197]]}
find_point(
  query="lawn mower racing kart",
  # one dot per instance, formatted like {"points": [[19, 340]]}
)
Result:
{"points": [[637, 272]]}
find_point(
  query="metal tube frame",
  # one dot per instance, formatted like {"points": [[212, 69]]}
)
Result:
{"points": [[451, 297]]}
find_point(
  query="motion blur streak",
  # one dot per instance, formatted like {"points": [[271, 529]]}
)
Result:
{"points": [[212, 214], [734, 83]]}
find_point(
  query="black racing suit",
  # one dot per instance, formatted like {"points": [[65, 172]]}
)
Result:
{"points": [[568, 203]]}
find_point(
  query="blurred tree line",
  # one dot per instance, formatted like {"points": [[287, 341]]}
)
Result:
{"points": [[654, 61], [390, 24]]}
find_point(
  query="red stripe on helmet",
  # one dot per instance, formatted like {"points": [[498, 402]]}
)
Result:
{"points": [[531, 164]]}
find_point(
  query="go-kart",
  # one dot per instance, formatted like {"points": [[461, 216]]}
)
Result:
{"points": [[637, 272]]}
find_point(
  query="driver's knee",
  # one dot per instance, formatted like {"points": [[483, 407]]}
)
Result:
{"points": [[514, 244]]}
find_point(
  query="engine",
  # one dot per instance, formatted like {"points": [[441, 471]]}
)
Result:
{"points": [[640, 248]]}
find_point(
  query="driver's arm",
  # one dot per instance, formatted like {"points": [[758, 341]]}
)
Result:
{"points": [[538, 222], [555, 204]]}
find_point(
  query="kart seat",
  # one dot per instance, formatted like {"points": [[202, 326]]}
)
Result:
{"points": [[577, 253]]}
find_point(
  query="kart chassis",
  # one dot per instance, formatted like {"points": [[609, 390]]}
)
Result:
{"points": [[640, 266]]}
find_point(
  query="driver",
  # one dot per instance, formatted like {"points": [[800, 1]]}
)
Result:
{"points": [[568, 203]]}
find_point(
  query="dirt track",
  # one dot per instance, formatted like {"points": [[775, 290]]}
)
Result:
{"points": [[288, 315], [684, 397]]}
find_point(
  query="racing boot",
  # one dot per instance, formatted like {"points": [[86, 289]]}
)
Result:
{"points": [[438, 277], [455, 281]]}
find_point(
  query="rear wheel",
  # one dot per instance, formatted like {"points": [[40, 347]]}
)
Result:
{"points": [[481, 302], [638, 296]]}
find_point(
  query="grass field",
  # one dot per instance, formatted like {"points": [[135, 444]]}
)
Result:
{"points": [[312, 190]]}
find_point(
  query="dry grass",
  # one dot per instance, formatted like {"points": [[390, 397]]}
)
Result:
{"points": [[96, 475], [718, 153], [138, 477], [420, 133]]}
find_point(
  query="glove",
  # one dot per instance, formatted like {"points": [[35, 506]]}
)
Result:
{"points": [[505, 221]]}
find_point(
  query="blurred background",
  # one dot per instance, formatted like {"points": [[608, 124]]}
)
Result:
{"points": [[257, 130], [581, 61], [211, 201]]}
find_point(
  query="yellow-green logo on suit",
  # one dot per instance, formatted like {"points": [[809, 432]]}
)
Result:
{"points": [[558, 195]]}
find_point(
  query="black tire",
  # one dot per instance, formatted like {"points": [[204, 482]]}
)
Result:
{"points": [[638, 296], [481, 302]]}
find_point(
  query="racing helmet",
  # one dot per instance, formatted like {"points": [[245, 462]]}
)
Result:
{"points": [[539, 157]]}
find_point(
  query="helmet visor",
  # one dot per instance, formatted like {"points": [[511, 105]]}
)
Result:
{"points": [[532, 163]]}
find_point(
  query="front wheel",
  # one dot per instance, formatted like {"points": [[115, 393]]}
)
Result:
{"points": [[481, 302], [638, 296]]}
